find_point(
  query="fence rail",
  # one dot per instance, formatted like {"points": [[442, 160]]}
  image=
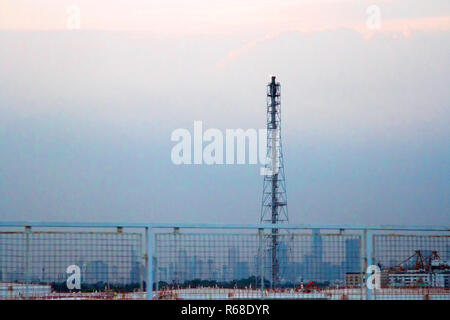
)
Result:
{"points": [[44, 260]]}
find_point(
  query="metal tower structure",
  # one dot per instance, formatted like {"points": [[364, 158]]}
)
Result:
{"points": [[274, 200]]}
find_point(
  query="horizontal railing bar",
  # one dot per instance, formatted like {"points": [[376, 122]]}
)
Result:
{"points": [[216, 226]]}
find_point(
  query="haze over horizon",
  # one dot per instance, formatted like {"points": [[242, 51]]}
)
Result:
{"points": [[86, 115]]}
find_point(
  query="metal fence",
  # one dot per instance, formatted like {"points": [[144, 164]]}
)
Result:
{"points": [[112, 261]]}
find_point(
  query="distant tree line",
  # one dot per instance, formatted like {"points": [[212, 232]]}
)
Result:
{"points": [[254, 282], [198, 283], [97, 287]]}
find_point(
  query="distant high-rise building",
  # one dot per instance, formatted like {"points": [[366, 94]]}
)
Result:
{"points": [[171, 272], [135, 272], [114, 276], [96, 271], [352, 255], [233, 259], [181, 267], [241, 270], [317, 246], [283, 259], [210, 272], [225, 275]]}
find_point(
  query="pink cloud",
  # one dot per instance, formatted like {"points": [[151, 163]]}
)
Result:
{"points": [[394, 27], [405, 27], [234, 54]]}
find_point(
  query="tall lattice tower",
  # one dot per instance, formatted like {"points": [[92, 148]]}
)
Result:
{"points": [[274, 200]]}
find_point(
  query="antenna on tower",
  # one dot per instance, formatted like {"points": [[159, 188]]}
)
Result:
{"points": [[274, 200]]}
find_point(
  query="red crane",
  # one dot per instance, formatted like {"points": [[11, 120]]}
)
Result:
{"points": [[422, 262]]}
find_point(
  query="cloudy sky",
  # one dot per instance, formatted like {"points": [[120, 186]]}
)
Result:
{"points": [[86, 114]]}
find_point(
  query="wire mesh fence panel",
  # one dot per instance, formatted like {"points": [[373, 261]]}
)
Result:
{"points": [[12, 259], [204, 266], [315, 266], [310, 266], [99, 264], [412, 266]]}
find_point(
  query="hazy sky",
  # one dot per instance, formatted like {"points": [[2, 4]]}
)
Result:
{"points": [[86, 115]]}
